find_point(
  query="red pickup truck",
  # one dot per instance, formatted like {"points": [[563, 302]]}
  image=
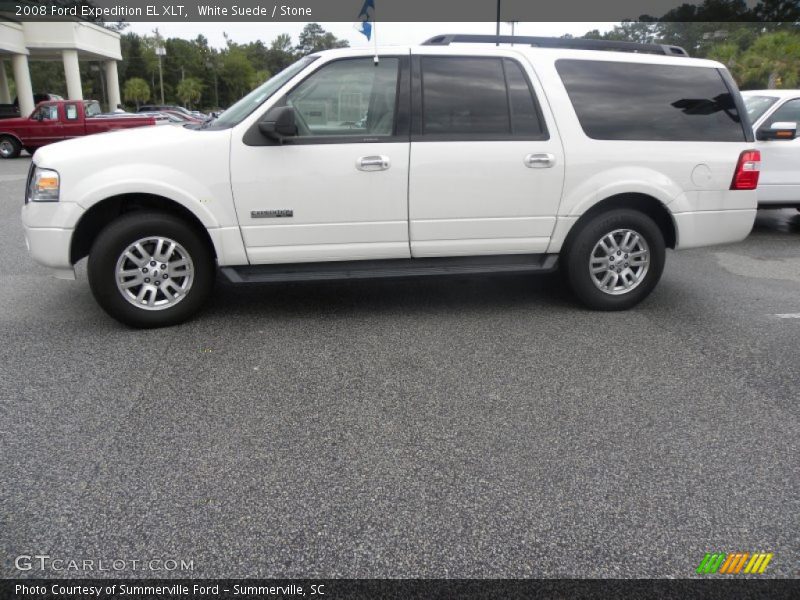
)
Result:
{"points": [[61, 120]]}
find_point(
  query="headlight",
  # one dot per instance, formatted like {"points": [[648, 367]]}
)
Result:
{"points": [[43, 186]]}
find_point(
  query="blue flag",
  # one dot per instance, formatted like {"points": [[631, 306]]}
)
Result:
{"points": [[366, 15]]}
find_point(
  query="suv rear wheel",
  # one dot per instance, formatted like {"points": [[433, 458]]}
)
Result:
{"points": [[150, 269], [615, 259]]}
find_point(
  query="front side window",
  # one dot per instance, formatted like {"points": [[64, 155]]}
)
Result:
{"points": [[789, 112], [244, 107], [651, 102], [48, 112], [352, 97], [472, 97]]}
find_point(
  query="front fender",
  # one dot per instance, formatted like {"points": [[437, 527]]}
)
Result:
{"points": [[211, 204]]}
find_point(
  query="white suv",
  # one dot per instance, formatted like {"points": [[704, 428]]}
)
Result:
{"points": [[440, 159], [775, 115]]}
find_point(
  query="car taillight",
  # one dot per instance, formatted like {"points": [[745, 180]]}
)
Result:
{"points": [[746, 175]]}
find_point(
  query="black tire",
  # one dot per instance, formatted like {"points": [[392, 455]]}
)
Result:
{"points": [[576, 256], [30, 150], [113, 241], [9, 147]]}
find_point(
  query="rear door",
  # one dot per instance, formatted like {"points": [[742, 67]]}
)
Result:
{"points": [[486, 168], [73, 125], [780, 159]]}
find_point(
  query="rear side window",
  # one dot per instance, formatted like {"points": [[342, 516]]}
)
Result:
{"points": [[92, 109], [477, 97], [72, 112], [649, 102]]}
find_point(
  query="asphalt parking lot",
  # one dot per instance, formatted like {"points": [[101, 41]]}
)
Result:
{"points": [[468, 427]]}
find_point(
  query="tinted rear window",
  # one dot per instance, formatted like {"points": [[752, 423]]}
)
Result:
{"points": [[470, 97], [631, 101], [464, 96]]}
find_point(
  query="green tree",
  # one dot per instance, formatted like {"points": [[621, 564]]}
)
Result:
{"points": [[236, 72], [779, 13], [189, 91], [136, 90], [314, 38], [643, 32], [280, 54], [259, 77], [774, 59]]}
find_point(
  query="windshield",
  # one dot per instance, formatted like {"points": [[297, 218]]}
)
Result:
{"points": [[758, 105], [239, 111]]}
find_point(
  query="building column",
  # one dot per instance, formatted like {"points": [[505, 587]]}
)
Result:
{"points": [[72, 73], [112, 83], [5, 94], [22, 77]]}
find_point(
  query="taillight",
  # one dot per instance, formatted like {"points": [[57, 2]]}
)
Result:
{"points": [[746, 175]]}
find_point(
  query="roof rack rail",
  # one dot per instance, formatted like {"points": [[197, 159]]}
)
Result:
{"points": [[554, 42]]}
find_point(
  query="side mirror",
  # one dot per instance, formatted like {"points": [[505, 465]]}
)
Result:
{"points": [[780, 130], [38, 116], [279, 123]]}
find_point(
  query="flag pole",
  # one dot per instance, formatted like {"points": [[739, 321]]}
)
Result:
{"points": [[375, 33], [498, 23]]}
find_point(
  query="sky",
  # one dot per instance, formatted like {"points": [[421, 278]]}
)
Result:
{"points": [[388, 34]]}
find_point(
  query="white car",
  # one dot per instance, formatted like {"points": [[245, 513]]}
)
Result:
{"points": [[433, 160], [775, 115]]}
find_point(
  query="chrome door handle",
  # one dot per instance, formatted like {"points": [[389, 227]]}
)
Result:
{"points": [[373, 163], [540, 161]]}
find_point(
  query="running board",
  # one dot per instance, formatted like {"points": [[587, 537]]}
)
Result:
{"points": [[395, 267]]}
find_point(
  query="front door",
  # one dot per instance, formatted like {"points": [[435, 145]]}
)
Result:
{"points": [[780, 159], [44, 126], [486, 170], [338, 190]]}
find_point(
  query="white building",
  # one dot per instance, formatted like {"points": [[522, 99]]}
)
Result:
{"points": [[67, 41]]}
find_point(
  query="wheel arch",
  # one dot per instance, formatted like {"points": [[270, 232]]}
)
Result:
{"points": [[649, 205], [12, 135], [102, 213]]}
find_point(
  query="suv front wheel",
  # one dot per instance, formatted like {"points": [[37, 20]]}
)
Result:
{"points": [[150, 269], [615, 259]]}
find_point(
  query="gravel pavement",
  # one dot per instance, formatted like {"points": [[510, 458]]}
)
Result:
{"points": [[462, 427]]}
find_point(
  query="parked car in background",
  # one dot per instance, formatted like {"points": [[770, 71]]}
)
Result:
{"points": [[774, 113], [186, 118], [61, 120], [165, 107], [163, 116], [433, 160]]}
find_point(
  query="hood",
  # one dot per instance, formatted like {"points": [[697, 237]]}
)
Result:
{"points": [[6, 124], [153, 143]]}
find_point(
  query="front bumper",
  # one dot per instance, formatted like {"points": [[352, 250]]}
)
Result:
{"points": [[48, 228]]}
